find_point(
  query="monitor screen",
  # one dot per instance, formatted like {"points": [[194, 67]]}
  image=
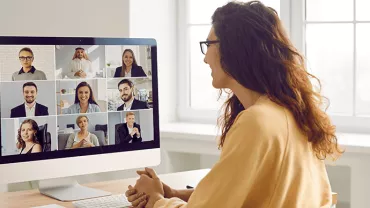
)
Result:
{"points": [[67, 97]]}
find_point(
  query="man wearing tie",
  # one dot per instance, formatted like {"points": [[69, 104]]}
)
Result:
{"points": [[30, 107], [125, 88]]}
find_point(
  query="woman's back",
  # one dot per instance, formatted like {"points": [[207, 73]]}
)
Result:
{"points": [[265, 162]]}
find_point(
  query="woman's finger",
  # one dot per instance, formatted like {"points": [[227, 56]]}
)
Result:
{"points": [[134, 197], [137, 201], [130, 192], [140, 172], [151, 172], [142, 204]]}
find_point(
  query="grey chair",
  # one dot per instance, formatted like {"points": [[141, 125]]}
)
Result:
{"points": [[63, 138]]}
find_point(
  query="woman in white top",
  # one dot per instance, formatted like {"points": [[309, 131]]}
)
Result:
{"points": [[83, 138]]}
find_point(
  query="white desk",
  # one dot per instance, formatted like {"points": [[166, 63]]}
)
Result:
{"points": [[34, 198]]}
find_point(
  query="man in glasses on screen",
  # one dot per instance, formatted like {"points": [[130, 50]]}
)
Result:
{"points": [[27, 72]]}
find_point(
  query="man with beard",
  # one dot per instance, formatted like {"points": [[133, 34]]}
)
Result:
{"points": [[30, 107], [125, 88], [80, 66]]}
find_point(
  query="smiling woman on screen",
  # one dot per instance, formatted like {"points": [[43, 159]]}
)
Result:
{"points": [[129, 66]]}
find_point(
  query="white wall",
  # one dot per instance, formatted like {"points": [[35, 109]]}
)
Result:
{"points": [[159, 23], [89, 18], [146, 124], [8, 138]]}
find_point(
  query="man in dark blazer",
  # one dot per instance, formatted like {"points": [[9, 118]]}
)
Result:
{"points": [[128, 132], [30, 107], [125, 88]]}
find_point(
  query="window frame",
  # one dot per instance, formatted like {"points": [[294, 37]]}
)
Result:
{"points": [[292, 14]]}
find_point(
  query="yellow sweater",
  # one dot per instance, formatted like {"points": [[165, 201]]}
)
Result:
{"points": [[266, 162]]}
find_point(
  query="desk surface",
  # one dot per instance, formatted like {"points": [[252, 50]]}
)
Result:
{"points": [[33, 198]]}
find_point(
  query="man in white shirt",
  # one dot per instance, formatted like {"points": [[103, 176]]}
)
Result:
{"points": [[30, 107], [80, 66]]}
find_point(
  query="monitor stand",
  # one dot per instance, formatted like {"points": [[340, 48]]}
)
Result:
{"points": [[68, 189]]}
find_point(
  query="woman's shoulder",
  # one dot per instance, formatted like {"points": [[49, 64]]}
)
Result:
{"points": [[95, 106], [265, 117], [72, 135], [264, 110], [37, 147], [93, 136]]}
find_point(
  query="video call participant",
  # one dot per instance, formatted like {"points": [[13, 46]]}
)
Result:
{"points": [[129, 66], [83, 138], [30, 107], [130, 131], [27, 72], [84, 101], [125, 88], [80, 66], [26, 140]]}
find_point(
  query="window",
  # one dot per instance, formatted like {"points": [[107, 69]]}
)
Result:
{"points": [[197, 97], [333, 35], [336, 46]]}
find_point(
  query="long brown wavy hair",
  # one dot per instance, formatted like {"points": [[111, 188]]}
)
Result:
{"points": [[134, 63], [256, 52], [35, 127]]}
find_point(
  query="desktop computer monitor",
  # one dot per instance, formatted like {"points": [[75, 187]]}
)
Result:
{"points": [[72, 106]]}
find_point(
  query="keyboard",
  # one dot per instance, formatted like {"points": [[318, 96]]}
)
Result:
{"points": [[113, 201]]}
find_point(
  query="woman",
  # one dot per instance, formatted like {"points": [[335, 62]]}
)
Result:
{"points": [[28, 71], [275, 136], [129, 66], [83, 138], [27, 140], [84, 101]]}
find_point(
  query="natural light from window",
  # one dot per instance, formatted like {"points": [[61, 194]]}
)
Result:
{"points": [[199, 13], [337, 49]]}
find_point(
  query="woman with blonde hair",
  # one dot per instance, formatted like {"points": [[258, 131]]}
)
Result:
{"points": [[83, 138], [275, 135]]}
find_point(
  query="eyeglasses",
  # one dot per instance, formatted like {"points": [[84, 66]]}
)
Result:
{"points": [[28, 58], [205, 44]]}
